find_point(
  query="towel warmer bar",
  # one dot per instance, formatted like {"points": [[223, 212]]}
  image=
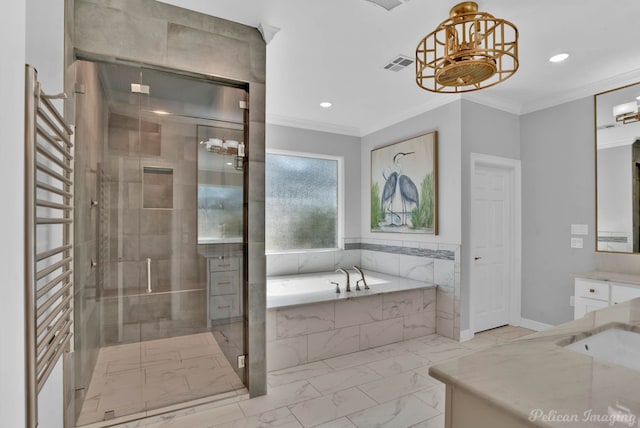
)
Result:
{"points": [[48, 239]]}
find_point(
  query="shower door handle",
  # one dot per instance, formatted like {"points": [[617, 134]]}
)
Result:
{"points": [[149, 275]]}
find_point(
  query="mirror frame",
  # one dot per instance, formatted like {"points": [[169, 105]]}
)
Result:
{"points": [[595, 139]]}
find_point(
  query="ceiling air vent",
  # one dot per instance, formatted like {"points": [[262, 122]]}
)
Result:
{"points": [[398, 63], [387, 4]]}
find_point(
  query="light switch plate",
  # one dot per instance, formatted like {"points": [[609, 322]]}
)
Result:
{"points": [[576, 243], [579, 229]]}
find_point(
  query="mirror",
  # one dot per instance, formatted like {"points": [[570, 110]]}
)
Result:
{"points": [[618, 170]]}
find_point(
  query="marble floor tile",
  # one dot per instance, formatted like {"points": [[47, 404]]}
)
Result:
{"points": [[205, 418], [435, 422], [337, 423], [401, 412], [343, 379], [388, 386], [332, 406], [139, 377], [280, 396], [388, 389], [355, 359], [433, 396], [400, 364], [293, 374], [281, 418]]}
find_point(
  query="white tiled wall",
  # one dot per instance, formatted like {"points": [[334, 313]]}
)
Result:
{"points": [[445, 273], [303, 334]]}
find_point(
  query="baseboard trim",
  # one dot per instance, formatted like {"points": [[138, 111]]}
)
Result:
{"points": [[534, 325], [466, 335]]}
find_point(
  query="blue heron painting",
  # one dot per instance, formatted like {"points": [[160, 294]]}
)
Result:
{"points": [[404, 186]]}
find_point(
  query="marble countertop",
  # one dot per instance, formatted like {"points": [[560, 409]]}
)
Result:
{"points": [[624, 278], [536, 373], [392, 284]]}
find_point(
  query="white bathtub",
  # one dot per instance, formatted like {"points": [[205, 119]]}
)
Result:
{"points": [[314, 283], [292, 290]]}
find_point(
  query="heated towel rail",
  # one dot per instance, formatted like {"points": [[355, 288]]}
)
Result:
{"points": [[48, 238]]}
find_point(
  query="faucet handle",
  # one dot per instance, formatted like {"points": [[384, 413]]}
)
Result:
{"points": [[358, 284], [337, 287]]}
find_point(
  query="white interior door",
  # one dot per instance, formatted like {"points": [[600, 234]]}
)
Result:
{"points": [[491, 238]]}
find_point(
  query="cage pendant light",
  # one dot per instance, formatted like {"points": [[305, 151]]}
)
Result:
{"points": [[469, 51]]}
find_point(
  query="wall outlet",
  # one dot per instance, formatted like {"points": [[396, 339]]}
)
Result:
{"points": [[240, 361], [576, 243], [572, 301]]}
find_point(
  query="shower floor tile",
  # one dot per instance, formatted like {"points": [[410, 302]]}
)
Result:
{"points": [[138, 377]]}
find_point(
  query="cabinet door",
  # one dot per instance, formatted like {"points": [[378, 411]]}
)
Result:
{"points": [[583, 306], [622, 293]]}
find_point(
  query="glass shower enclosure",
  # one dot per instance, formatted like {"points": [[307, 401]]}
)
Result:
{"points": [[159, 286]]}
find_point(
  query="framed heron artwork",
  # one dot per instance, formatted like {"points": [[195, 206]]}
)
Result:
{"points": [[404, 186]]}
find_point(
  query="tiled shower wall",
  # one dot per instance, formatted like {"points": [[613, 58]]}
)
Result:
{"points": [[434, 263], [157, 33], [164, 231]]}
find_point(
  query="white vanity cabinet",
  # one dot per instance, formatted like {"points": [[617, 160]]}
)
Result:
{"points": [[224, 287], [592, 294]]}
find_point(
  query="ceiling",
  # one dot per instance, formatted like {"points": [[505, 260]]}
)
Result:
{"points": [[335, 50]]}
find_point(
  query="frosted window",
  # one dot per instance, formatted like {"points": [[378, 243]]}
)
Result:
{"points": [[219, 213], [301, 202]]}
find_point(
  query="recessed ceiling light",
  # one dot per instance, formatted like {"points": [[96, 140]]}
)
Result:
{"points": [[229, 163], [559, 57], [325, 104]]}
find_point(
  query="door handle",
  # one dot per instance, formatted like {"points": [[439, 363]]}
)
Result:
{"points": [[149, 276], [477, 258]]}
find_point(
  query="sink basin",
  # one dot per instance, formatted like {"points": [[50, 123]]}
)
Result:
{"points": [[614, 345]]}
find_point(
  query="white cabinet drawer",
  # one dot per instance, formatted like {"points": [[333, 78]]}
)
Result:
{"points": [[584, 306], [225, 282], [223, 263], [597, 290], [621, 293], [224, 306]]}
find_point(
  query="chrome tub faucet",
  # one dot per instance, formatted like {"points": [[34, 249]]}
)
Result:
{"points": [[364, 281], [346, 273]]}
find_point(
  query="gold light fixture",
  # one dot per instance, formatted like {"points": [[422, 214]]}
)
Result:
{"points": [[627, 112], [469, 51]]}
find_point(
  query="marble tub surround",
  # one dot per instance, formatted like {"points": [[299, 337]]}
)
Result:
{"points": [[537, 372], [428, 262], [624, 278], [302, 333]]}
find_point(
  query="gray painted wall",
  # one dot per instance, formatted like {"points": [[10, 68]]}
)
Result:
{"points": [[308, 141], [558, 180], [446, 120], [492, 132], [12, 366]]}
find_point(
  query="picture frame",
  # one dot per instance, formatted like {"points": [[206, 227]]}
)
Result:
{"points": [[404, 186]]}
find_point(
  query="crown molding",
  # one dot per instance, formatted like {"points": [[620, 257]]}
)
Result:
{"points": [[277, 119], [436, 102], [494, 101], [591, 89]]}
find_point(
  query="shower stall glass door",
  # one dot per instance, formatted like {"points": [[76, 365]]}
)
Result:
{"points": [[170, 243]]}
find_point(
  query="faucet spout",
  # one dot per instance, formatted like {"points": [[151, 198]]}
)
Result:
{"points": [[363, 280], [347, 274]]}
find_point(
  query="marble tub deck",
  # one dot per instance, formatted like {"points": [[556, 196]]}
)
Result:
{"points": [[387, 386], [391, 284]]}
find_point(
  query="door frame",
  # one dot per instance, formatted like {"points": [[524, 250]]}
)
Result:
{"points": [[513, 167]]}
